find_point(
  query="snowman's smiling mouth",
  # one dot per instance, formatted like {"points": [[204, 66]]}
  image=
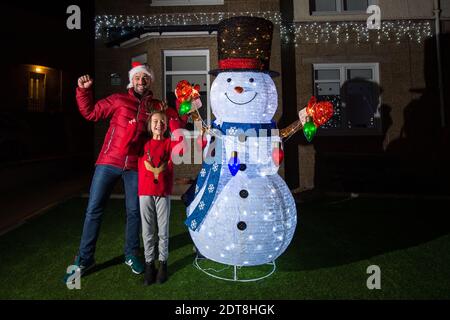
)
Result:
{"points": [[241, 103]]}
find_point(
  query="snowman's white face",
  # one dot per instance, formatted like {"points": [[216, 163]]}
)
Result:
{"points": [[246, 97]]}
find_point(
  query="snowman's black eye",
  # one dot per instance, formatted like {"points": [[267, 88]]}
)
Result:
{"points": [[229, 80], [251, 80]]}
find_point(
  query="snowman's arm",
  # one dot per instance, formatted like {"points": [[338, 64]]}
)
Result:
{"points": [[296, 126], [196, 116], [198, 121]]}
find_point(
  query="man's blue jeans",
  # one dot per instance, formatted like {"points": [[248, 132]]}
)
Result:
{"points": [[105, 177]]}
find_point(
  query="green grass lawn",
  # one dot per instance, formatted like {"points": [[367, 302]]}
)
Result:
{"points": [[335, 242]]}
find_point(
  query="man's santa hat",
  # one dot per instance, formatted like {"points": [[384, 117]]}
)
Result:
{"points": [[137, 67]]}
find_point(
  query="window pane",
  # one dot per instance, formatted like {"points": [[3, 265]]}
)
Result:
{"points": [[192, 63], [331, 92], [360, 74], [330, 74], [199, 79], [325, 5], [328, 88], [362, 100], [356, 5], [37, 87]]}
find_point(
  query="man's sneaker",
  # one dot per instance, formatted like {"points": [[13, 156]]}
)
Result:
{"points": [[82, 265], [136, 266]]}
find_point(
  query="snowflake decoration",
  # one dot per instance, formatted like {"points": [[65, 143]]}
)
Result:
{"points": [[232, 131], [193, 224], [215, 167], [211, 188], [197, 189], [203, 173], [201, 205]]}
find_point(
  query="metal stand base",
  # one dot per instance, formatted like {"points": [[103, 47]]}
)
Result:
{"points": [[234, 277]]}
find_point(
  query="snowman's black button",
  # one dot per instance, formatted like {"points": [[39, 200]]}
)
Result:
{"points": [[155, 181], [243, 194], [241, 225], [243, 167]]}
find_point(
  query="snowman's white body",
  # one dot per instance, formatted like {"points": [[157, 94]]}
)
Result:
{"points": [[257, 228]]}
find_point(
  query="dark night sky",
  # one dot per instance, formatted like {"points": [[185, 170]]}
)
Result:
{"points": [[35, 32]]}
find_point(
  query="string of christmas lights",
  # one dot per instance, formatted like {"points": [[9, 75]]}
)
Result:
{"points": [[127, 23], [339, 32], [297, 33]]}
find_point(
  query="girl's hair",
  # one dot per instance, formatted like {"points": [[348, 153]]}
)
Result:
{"points": [[148, 124]]}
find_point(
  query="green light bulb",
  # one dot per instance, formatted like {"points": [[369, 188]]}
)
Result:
{"points": [[309, 129], [185, 107]]}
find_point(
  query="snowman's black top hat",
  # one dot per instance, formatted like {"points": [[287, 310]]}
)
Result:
{"points": [[244, 44]]}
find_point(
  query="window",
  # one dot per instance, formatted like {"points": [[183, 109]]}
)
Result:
{"points": [[36, 92], [354, 90], [160, 3], [42, 88], [190, 65], [333, 6]]}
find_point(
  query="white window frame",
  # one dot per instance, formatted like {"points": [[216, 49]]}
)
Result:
{"points": [[343, 68], [164, 3], [183, 53], [340, 9]]}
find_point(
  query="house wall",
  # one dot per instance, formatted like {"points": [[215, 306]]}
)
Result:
{"points": [[402, 70], [118, 60], [143, 7], [337, 163], [390, 10], [402, 158]]}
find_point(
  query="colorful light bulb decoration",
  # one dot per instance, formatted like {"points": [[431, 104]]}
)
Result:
{"points": [[185, 107], [183, 90], [309, 129], [234, 163], [185, 94], [320, 111], [277, 155]]}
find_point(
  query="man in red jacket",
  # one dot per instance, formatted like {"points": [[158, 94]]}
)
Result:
{"points": [[112, 164]]}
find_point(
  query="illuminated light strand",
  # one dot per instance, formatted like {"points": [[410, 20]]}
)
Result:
{"points": [[130, 23], [309, 32], [318, 32]]}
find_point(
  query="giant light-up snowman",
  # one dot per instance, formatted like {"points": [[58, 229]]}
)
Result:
{"points": [[241, 212]]}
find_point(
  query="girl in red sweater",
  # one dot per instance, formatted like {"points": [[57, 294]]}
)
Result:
{"points": [[155, 182]]}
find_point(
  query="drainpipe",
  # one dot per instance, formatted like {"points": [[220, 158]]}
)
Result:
{"points": [[437, 19]]}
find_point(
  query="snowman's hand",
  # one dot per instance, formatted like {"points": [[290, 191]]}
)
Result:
{"points": [[302, 116], [196, 104], [198, 121]]}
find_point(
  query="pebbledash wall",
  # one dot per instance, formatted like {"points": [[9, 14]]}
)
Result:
{"points": [[406, 74]]}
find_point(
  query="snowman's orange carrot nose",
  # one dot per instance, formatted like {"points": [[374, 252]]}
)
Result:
{"points": [[239, 89]]}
